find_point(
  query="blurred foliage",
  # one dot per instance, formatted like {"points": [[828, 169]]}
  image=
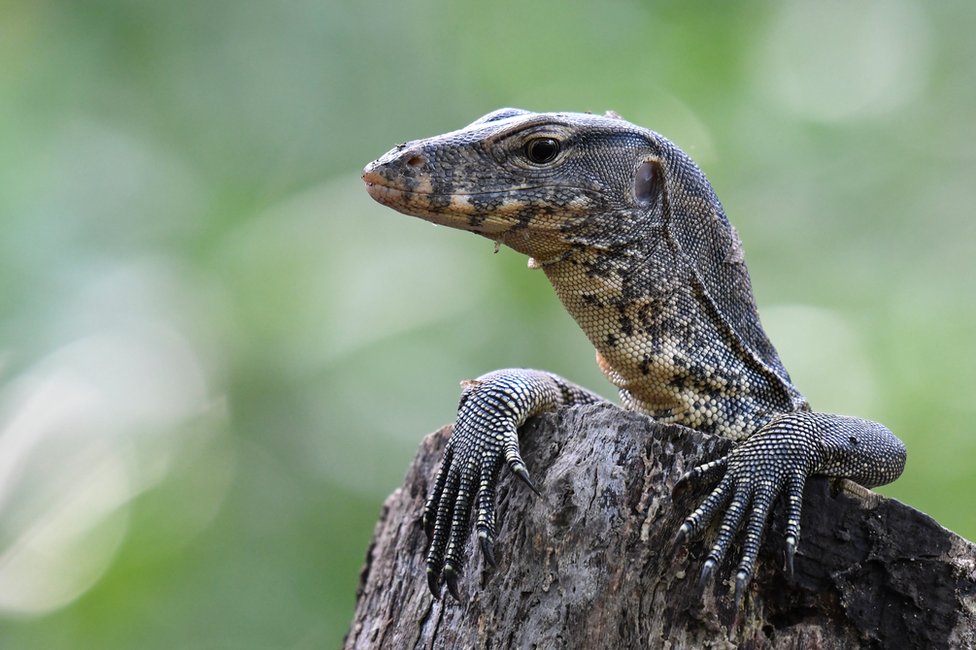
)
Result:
{"points": [[217, 355]]}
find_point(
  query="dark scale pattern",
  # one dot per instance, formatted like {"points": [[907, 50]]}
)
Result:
{"points": [[640, 252]]}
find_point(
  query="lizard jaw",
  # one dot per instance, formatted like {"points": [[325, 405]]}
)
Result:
{"points": [[430, 206], [458, 210]]}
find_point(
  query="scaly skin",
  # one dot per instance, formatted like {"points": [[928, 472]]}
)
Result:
{"points": [[639, 251]]}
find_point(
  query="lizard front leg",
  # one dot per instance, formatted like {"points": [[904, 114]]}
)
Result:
{"points": [[778, 458], [491, 409]]}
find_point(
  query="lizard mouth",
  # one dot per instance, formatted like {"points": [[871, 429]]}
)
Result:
{"points": [[379, 186], [452, 210], [488, 213], [383, 193]]}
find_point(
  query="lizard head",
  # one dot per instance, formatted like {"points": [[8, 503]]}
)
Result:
{"points": [[544, 184]]}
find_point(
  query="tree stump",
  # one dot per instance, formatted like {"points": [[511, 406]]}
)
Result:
{"points": [[591, 565]]}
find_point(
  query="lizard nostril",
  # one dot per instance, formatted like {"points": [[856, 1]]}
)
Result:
{"points": [[416, 161]]}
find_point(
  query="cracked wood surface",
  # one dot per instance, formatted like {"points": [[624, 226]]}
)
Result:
{"points": [[589, 565]]}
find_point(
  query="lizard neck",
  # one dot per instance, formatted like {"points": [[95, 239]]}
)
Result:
{"points": [[660, 341]]}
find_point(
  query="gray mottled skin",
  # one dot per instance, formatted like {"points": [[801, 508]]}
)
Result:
{"points": [[640, 252]]}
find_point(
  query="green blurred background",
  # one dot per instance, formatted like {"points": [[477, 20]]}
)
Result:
{"points": [[217, 355]]}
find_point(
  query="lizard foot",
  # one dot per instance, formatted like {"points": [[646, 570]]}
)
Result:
{"points": [[485, 435], [776, 460]]}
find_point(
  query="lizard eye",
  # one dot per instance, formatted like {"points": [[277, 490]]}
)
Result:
{"points": [[541, 150]]}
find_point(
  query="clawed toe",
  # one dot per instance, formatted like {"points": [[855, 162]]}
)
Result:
{"points": [[708, 568], [680, 538], [521, 472], [433, 583], [487, 550], [790, 552], [451, 578], [741, 582]]}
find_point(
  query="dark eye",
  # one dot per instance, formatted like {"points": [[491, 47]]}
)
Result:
{"points": [[541, 150]]}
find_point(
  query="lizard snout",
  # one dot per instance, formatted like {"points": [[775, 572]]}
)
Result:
{"points": [[399, 178], [400, 167]]}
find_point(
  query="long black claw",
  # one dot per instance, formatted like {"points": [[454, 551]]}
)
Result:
{"points": [[790, 552], [434, 584], [679, 538], [708, 568], [451, 578], [488, 551], [741, 582], [523, 474]]}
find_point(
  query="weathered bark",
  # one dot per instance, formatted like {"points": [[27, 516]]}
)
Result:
{"points": [[589, 565]]}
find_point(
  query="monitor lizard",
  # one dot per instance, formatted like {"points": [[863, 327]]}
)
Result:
{"points": [[639, 250]]}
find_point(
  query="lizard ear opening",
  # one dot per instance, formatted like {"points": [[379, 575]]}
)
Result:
{"points": [[648, 183]]}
